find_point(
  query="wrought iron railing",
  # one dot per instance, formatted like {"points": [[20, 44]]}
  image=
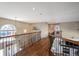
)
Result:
{"points": [[11, 45], [63, 46]]}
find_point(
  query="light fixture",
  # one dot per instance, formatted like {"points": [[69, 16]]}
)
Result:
{"points": [[25, 31], [33, 9]]}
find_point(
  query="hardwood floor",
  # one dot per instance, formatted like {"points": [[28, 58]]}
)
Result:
{"points": [[40, 48]]}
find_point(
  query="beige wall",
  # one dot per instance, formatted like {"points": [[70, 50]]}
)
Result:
{"points": [[70, 29], [43, 27], [20, 26]]}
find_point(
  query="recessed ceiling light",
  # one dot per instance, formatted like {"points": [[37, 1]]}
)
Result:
{"points": [[33, 9]]}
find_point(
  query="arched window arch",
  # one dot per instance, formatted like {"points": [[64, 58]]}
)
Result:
{"points": [[7, 30]]}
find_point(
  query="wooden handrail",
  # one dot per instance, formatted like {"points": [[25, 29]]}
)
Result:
{"points": [[20, 34], [71, 41]]}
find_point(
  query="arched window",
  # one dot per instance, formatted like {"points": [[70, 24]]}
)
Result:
{"points": [[7, 30]]}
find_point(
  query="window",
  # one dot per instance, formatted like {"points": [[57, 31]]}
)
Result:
{"points": [[7, 30]]}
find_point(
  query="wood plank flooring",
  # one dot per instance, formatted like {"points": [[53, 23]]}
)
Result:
{"points": [[40, 48]]}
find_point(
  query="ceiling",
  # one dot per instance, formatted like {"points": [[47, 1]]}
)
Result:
{"points": [[40, 11]]}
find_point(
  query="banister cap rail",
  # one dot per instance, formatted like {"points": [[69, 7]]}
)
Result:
{"points": [[18, 35]]}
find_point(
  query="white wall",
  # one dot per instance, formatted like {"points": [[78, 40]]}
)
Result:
{"points": [[70, 29], [43, 27]]}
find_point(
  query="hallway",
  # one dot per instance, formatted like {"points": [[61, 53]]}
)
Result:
{"points": [[39, 48]]}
